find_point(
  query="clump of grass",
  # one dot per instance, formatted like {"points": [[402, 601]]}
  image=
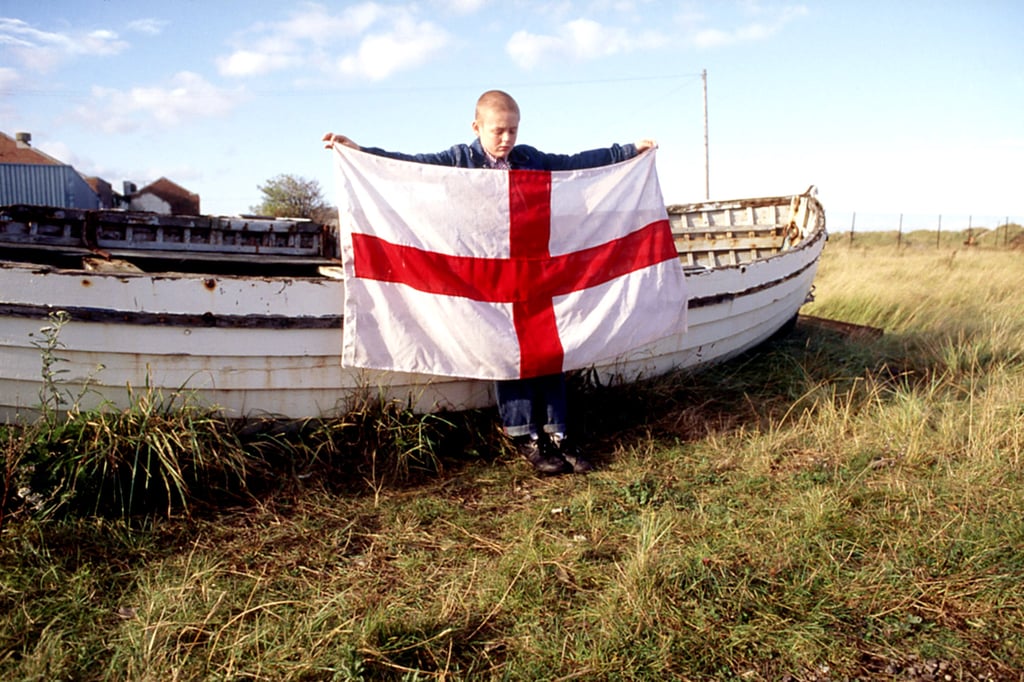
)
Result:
{"points": [[377, 444], [107, 461], [167, 454], [390, 442], [156, 455]]}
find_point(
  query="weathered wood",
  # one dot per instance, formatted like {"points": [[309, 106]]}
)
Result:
{"points": [[724, 243], [111, 265]]}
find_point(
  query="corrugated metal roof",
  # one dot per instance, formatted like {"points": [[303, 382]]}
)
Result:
{"points": [[38, 185]]}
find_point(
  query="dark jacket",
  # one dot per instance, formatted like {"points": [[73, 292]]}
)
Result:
{"points": [[522, 157]]}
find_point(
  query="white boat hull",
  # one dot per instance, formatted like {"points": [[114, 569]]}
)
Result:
{"points": [[271, 346]]}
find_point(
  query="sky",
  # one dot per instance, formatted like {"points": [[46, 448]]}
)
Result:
{"points": [[912, 107]]}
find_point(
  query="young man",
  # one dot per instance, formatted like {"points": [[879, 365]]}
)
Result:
{"points": [[533, 411]]}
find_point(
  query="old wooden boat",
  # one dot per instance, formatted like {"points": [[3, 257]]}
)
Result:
{"points": [[244, 313]]}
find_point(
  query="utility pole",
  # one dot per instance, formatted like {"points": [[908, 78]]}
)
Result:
{"points": [[707, 180]]}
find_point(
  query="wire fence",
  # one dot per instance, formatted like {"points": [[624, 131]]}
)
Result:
{"points": [[918, 229]]}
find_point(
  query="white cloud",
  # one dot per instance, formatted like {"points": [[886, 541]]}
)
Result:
{"points": [[461, 6], [527, 49], [407, 45], [148, 26], [43, 50], [315, 38], [251, 63], [187, 96], [323, 28], [580, 39], [100, 42], [749, 32]]}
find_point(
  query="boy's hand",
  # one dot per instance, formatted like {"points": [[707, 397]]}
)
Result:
{"points": [[330, 139], [645, 144]]}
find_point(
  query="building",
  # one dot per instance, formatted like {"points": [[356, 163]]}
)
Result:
{"points": [[30, 176], [164, 196]]}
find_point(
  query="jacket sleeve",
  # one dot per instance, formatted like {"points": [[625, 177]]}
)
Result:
{"points": [[588, 159], [449, 157]]}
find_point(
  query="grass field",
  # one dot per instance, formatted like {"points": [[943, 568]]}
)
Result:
{"points": [[825, 508]]}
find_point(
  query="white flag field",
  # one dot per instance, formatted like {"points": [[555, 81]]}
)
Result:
{"points": [[498, 274]]}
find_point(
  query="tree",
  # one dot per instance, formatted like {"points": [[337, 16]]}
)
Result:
{"points": [[289, 196]]}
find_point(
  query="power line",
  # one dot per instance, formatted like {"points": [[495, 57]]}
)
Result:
{"points": [[53, 92]]}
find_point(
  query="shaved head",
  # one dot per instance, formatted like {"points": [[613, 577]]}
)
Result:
{"points": [[496, 100]]}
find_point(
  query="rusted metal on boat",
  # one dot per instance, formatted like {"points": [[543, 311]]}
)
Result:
{"points": [[245, 313]]}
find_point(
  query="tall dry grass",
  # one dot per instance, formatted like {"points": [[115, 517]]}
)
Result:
{"points": [[822, 509]]}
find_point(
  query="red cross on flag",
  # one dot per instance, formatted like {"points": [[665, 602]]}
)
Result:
{"points": [[498, 274]]}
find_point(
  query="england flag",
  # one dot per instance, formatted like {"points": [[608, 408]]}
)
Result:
{"points": [[503, 274]]}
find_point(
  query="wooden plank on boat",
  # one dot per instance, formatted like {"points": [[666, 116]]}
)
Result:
{"points": [[713, 242]]}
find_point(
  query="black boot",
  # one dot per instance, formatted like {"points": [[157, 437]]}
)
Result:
{"points": [[542, 458], [568, 451]]}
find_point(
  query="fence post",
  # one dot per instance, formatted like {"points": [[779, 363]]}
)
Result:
{"points": [[853, 221], [1006, 231], [938, 232], [899, 234]]}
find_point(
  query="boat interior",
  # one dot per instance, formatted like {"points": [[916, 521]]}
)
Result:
{"points": [[717, 234]]}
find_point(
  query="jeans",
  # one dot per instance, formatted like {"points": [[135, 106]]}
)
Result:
{"points": [[528, 405]]}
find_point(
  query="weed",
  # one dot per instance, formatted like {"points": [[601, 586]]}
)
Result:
{"points": [[51, 397]]}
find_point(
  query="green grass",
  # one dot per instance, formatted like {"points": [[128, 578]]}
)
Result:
{"points": [[821, 509]]}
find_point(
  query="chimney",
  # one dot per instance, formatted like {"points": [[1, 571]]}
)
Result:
{"points": [[129, 188], [23, 139]]}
